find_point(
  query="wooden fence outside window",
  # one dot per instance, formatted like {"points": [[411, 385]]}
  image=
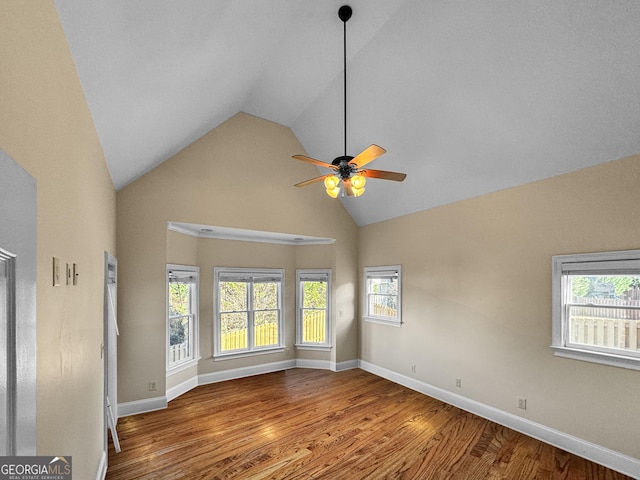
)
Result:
{"points": [[606, 322]]}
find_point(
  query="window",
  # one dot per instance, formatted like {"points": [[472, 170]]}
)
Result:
{"points": [[248, 315], [313, 321], [182, 312], [596, 307], [382, 294]]}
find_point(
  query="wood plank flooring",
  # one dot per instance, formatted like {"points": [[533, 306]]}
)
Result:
{"points": [[315, 424]]}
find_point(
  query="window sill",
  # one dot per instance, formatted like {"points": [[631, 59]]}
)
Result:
{"points": [[182, 366], [233, 355], [382, 321], [309, 346], [597, 357]]}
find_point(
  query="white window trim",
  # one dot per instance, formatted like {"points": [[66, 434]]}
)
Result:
{"points": [[217, 354], [325, 274], [388, 269], [606, 262], [195, 348]]}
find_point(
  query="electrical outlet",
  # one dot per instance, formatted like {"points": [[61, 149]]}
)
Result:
{"points": [[458, 382], [413, 368], [287, 351], [153, 386], [522, 403]]}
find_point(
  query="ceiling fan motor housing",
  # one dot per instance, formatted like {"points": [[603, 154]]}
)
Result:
{"points": [[344, 169]]}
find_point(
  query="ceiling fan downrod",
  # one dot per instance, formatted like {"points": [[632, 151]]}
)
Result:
{"points": [[344, 13], [347, 170]]}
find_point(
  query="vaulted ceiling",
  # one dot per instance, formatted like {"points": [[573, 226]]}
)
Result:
{"points": [[467, 97]]}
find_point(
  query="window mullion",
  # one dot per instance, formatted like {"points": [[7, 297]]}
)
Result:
{"points": [[280, 302], [600, 305], [250, 316], [327, 329], [192, 319]]}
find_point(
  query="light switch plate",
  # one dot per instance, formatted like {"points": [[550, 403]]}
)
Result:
{"points": [[56, 272]]}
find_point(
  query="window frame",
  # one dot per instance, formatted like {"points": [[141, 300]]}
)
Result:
{"points": [[602, 263], [251, 350], [194, 322], [324, 274], [382, 272]]}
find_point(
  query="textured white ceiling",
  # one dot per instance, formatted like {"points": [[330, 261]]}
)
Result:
{"points": [[467, 97]]}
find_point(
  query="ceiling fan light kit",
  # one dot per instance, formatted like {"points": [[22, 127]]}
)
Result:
{"points": [[347, 170]]}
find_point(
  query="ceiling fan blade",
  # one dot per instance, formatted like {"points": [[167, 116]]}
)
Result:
{"points": [[369, 154], [304, 158], [312, 180], [384, 175]]}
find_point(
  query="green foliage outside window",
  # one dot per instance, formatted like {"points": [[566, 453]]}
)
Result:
{"points": [[179, 299], [314, 294], [234, 304], [265, 296], [179, 305], [602, 286]]}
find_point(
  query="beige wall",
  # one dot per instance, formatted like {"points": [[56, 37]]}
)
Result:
{"points": [[46, 127], [477, 299], [182, 249], [239, 175]]}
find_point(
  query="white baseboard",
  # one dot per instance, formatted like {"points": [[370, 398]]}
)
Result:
{"points": [[141, 406], [214, 377], [609, 458], [184, 387], [327, 364], [347, 365], [102, 467], [316, 364]]}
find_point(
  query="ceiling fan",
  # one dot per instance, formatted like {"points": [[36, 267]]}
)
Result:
{"points": [[347, 170]]}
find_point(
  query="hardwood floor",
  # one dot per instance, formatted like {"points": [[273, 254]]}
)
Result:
{"points": [[315, 424]]}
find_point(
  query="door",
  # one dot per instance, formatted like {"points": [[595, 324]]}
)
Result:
{"points": [[17, 309], [7, 347]]}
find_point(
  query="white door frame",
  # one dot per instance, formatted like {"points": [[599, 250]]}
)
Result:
{"points": [[18, 240], [110, 348]]}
